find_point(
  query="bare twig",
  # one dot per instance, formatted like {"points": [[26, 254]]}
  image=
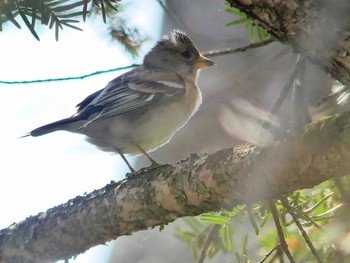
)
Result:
{"points": [[283, 242], [269, 253], [205, 250], [300, 115], [282, 96], [286, 204], [278, 256], [230, 51]]}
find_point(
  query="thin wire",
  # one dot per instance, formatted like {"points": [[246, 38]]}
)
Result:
{"points": [[212, 53], [68, 78]]}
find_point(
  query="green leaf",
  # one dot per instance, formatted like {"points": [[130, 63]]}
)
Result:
{"points": [[28, 24], [235, 211], [236, 22], [184, 235], [85, 11], [265, 33], [224, 232], [34, 13], [231, 229], [266, 219], [194, 224], [328, 212], [65, 8], [56, 3], [57, 27], [268, 240], [11, 18], [109, 3], [252, 36], [66, 23], [262, 33], [194, 250], [76, 14], [319, 203], [214, 218], [244, 242], [259, 31], [253, 223], [103, 10], [307, 201], [234, 11], [247, 24]]}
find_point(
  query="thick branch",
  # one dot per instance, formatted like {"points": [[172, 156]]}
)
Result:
{"points": [[318, 29], [193, 186]]}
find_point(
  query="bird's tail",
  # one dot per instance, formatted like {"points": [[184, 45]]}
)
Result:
{"points": [[64, 124]]}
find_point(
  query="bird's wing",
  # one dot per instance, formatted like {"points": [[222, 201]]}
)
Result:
{"points": [[88, 100], [129, 92]]}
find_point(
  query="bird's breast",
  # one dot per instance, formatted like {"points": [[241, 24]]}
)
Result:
{"points": [[160, 124]]}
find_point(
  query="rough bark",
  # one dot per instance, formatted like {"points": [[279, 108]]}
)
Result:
{"points": [[198, 184], [318, 29]]}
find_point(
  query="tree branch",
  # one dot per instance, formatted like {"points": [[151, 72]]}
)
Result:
{"points": [[208, 241], [285, 203], [280, 234], [199, 184], [317, 29], [269, 254]]}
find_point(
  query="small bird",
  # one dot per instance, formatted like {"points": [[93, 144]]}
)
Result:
{"points": [[142, 109]]}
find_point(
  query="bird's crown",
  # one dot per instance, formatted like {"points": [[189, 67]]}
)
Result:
{"points": [[168, 51], [176, 38]]}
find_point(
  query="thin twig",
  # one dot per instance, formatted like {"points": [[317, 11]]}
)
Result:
{"points": [[282, 96], [299, 111], [286, 204], [269, 253], [205, 250], [283, 242], [278, 256], [230, 51]]}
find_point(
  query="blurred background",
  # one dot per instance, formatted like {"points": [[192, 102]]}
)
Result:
{"points": [[38, 173]]}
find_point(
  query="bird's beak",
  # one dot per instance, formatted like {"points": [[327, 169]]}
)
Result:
{"points": [[203, 62]]}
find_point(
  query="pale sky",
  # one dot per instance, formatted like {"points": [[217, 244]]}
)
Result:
{"points": [[39, 173]]}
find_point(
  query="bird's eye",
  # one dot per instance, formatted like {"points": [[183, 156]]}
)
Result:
{"points": [[186, 54]]}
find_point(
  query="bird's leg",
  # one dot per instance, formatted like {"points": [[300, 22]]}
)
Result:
{"points": [[125, 160], [153, 162]]}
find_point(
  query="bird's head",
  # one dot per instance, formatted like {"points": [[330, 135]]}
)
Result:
{"points": [[176, 53]]}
